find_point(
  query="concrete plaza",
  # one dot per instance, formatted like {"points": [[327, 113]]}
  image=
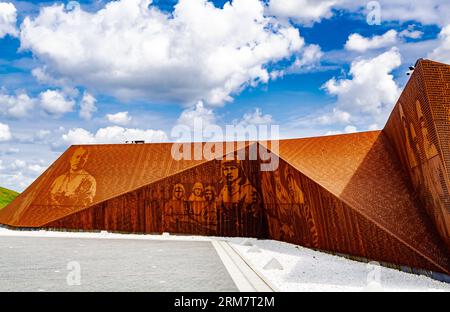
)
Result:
{"points": [[52, 264]]}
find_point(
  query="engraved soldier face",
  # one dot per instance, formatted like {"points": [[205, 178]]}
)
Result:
{"points": [[231, 172], [178, 191], [209, 194], [78, 159], [198, 189]]}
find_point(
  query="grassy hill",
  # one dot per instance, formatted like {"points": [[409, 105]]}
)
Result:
{"points": [[6, 196]]}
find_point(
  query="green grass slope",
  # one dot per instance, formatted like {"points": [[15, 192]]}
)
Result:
{"points": [[6, 196]]}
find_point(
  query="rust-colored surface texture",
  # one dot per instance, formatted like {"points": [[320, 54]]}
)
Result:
{"points": [[419, 128], [380, 195]]}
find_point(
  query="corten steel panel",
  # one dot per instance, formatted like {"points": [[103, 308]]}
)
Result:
{"points": [[86, 175], [363, 172], [283, 205], [419, 129], [216, 198], [302, 212]]}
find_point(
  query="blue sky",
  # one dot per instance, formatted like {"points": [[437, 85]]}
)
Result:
{"points": [[105, 72]]}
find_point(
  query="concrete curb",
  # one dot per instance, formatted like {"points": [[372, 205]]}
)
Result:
{"points": [[260, 275], [245, 277]]}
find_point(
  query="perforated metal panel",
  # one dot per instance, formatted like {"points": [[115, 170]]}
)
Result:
{"points": [[102, 172], [419, 129]]}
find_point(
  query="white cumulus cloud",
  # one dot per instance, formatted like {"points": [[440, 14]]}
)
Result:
{"points": [[114, 134], [308, 11], [368, 97], [422, 11], [335, 117], [17, 174], [411, 32], [197, 113], [303, 11], [18, 105], [8, 18], [55, 102], [442, 52], [121, 118], [5, 132], [87, 106], [255, 118], [199, 52], [358, 43]]}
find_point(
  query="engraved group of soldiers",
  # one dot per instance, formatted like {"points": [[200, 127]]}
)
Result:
{"points": [[234, 210], [197, 208], [201, 206]]}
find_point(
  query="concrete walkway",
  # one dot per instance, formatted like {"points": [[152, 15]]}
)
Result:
{"points": [[59, 264]]}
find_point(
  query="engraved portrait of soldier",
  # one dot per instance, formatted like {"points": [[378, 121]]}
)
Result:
{"points": [[210, 194], [209, 212], [196, 203], [176, 210], [239, 199], [197, 193], [77, 187], [237, 188], [178, 193]]}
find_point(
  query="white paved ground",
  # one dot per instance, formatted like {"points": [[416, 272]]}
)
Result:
{"points": [[37, 261], [304, 269], [52, 264]]}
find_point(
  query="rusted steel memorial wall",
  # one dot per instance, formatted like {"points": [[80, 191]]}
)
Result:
{"points": [[380, 195], [419, 128]]}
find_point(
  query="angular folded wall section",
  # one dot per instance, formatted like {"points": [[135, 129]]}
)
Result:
{"points": [[346, 194], [419, 128]]}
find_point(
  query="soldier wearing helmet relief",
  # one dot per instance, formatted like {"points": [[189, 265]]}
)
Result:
{"points": [[209, 211], [239, 200], [176, 211]]}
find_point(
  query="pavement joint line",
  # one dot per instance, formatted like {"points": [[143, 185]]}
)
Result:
{"points": [[243, 275]]}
